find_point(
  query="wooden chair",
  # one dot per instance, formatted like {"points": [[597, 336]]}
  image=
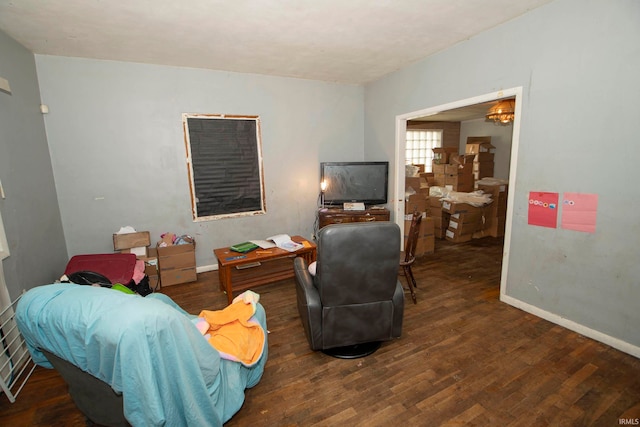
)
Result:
{"points": [[408, 257]]}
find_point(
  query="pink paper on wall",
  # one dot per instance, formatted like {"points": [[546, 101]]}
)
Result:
{"points": [[543, 209], [579, 212]]}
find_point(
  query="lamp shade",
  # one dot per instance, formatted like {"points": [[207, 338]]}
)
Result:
{"points": [[503, 112]]}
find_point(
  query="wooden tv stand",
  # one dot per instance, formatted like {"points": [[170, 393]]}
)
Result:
{"points": [[328, 216]]}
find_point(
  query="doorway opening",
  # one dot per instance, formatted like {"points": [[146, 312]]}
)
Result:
{"points": [[400, 149]]}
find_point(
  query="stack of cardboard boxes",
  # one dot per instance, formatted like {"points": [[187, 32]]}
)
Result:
{"points": [[496, 212], [458, 222], [442, 155], [440, 220], [176, 262], [456, 172], [426, 239], [417, 202], [482, 150], [138, 244], [464, 221]]}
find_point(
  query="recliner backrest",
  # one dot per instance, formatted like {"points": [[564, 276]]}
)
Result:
{"points": [[357, 262]]}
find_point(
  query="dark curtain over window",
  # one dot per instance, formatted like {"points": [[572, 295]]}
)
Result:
{"points": [[226, 165]]}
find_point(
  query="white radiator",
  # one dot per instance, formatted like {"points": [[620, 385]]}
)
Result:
{"points": [[16, 365]]}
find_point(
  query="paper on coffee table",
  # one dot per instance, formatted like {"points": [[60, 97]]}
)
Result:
{"points": [[283, 241]]}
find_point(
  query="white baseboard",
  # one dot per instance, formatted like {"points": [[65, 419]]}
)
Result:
{"points": [[571, 325], [205, 268]]}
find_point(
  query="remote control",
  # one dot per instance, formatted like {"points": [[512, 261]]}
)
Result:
{"points": [[231, 258]]}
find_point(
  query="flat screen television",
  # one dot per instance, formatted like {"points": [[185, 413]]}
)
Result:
{"points": [[364, 182]]}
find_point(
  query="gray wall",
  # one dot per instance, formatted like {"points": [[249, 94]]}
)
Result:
{"points": [[578, 63], [118, 153], [30, 209]]}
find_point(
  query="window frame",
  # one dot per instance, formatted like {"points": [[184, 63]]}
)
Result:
{"points": [[190, 168], [429, 158]]}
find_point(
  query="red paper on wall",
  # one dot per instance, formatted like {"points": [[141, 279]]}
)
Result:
{"points": [[543, 209]]}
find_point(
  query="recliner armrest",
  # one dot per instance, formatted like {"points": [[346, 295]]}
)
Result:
{"points": [[309, 305], [301, 270]]}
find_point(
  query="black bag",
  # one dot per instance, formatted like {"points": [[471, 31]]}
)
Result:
{"points": [[141, 288], [89, 278]]}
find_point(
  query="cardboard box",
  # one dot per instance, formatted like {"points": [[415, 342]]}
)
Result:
{"points": [[440, 225], [460, 177], [131, 240], [498, 192], [428, 226], [177, 276], [462, 159], [494, 189], [441, 155], [435, 202], [495, 228], [426, 238], [498, 208], [467, 217], [483, 170], [438, 168], [413, 182], [178, 256], [415, 203], [463, 227], [451, 169], [454, 237], [417, 183], [454, 207], [459, 169], [177, 264], [151, 269], [484, 158], [438, 222], [479, 144], [426, 245], [483, 166], [426, 175], [460, 183], [434, 212]]}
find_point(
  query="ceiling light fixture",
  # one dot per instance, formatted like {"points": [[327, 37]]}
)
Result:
{"points": [[503, 112]]}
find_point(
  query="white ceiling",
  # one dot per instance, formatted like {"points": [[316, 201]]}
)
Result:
{"points": [[346, 41]]}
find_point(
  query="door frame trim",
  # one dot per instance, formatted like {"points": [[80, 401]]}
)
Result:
{"points": [[400, 146]]}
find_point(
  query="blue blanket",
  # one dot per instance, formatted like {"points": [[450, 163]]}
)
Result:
{"points": [[147, 348]]}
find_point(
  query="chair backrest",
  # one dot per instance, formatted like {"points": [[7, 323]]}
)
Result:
{"points": [[95, 398], [357, 262], [412, 238]]}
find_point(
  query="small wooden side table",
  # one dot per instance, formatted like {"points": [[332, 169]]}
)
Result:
{"points": [[238, 272]]}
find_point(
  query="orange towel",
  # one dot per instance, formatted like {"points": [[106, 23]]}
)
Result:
{"points": [[233, 334]]}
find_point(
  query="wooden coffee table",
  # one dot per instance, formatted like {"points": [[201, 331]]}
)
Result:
{"points": [[238, 272]]}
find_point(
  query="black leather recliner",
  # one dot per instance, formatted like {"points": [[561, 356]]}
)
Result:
{"points": [[354, 301]]}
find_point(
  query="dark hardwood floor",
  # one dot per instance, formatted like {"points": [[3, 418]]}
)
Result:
{"points": [[464, 359]]}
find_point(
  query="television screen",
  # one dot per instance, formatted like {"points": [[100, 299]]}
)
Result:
{"points": [[364, 182]]}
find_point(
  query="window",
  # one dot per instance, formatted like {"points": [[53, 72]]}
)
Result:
{"points": [[224, 155], [419, 147]]}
